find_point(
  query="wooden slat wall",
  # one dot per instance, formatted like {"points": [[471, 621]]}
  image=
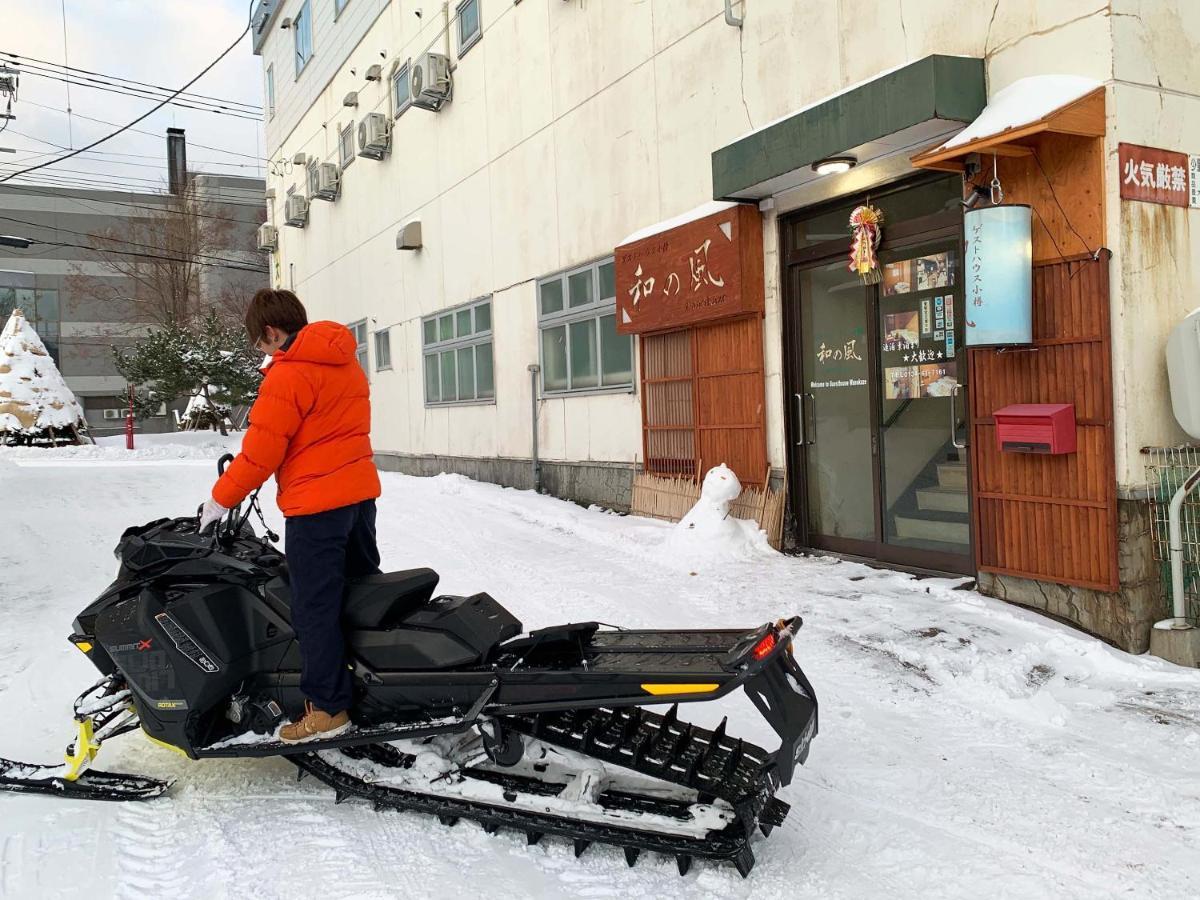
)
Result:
{"points": [[703, 400], [1052, 518]]}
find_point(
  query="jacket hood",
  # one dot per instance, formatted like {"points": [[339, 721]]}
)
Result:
{"points": [[327, 343]]}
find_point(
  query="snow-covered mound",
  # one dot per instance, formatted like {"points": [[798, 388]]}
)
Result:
{"points": [[708, 533], [33, 396], [175, 445]]}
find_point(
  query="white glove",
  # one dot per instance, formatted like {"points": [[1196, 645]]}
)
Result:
{"points": [[212, 512]]}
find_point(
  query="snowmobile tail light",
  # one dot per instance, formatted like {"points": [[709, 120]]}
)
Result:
{"points": [[660, 690], [763, 648]]}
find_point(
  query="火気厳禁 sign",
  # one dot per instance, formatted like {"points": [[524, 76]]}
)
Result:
{"points": [[1156, 176]]}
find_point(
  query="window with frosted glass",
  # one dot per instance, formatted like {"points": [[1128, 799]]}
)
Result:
{"points": [[457, 349], [580, 347]]}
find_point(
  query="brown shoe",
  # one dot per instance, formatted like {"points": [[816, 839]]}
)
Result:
{"points": [[315, 724]]}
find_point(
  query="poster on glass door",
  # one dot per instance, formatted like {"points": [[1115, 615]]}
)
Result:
{"points": [[917, 327]]}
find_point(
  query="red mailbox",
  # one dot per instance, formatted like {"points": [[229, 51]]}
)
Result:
{"points": [[1036, 428]]}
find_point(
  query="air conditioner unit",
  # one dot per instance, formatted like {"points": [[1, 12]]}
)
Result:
{"points": [[114, 413], [374, 135], [295, 211], [268, 237], [328, 182], [429, 81]]}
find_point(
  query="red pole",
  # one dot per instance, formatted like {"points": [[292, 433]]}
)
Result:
{"points": [[129, 422]]}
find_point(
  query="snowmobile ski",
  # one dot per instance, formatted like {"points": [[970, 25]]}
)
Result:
{"points": [[31, 778]]}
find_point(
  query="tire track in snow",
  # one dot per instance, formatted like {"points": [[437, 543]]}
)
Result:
{"points": [[150, 856]]}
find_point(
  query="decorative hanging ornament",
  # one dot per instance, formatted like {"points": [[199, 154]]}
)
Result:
{"points": [[865, 223]]}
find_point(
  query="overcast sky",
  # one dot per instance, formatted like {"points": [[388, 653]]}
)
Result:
{"points": [[163, 43]]}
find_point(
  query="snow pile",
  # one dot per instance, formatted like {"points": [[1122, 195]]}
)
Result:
{"points": [[711, 208], [708, 533], [189, 445], [1024, 101], [33, 396]]}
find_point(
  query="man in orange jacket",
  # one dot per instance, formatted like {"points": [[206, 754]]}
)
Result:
{"points": [[310, 428]]}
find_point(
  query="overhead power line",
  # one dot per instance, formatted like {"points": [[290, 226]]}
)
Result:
{"points": [[159, 137], [158, 156], [177, 259], [24, 60], [145, 115], [63, 194], [141, 95], [109, 240]]}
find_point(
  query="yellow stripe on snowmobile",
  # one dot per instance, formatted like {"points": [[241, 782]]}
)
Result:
{"points": [[659, 690], [155, 740], [84, 646]]}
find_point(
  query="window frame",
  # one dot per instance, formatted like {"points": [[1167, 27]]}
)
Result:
{"points": [[344, 162], [362, 346], [455, 343], [270, 91], [406, 67], [466, 43], [304, 16], [386, 334], [597, 309]]}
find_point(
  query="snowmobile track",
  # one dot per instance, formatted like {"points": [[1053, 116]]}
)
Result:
{"points": [[732, 844], [659, 746], [663, 747]]}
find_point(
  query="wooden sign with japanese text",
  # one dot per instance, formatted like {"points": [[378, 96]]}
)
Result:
{"points": [[703, 270], [1153, 175]]}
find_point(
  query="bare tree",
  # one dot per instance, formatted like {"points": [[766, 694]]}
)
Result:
{"points": [[158, 260]]}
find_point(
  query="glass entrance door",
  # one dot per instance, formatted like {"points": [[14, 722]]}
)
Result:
{"points": [[834, 444], [876, 388], [922, 436]]}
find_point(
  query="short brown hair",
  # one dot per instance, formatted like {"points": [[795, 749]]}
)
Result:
{"points": [[279, 309]]}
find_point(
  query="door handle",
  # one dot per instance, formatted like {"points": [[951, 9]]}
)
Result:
{"points": [[954, 418], [812, 401], [800, 420]]}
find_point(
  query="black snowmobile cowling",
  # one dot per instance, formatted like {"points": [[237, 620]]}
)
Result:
{"points": [[195, 644]]}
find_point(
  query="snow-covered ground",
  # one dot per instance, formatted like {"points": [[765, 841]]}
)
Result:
{"points": [[967, 748]]}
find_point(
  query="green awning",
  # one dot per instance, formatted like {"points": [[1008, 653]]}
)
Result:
{"points": [[902, 111]]}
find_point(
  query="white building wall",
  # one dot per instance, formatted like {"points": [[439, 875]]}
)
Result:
{"points": [[1154, 100], [574, 123]]}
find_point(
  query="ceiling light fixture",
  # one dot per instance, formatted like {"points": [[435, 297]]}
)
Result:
{"points": [[834, 165]]}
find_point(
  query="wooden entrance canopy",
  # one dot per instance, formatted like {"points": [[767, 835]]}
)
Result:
{"points": [[1081, 117]]}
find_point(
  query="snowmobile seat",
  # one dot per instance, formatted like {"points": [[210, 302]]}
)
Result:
{"points": [[376, 601]]}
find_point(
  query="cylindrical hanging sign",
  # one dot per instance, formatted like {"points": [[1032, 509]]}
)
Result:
{"points": [[998, 276]]}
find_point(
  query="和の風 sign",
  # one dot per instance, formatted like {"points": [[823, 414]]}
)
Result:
{"points": [[1154, 176], [700, 271]]}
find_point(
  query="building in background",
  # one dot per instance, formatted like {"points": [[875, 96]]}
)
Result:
{"points": [[103, 266], [474, 189]]}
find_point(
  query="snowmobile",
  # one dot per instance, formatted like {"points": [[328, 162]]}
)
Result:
{"points": [[457, 713]]}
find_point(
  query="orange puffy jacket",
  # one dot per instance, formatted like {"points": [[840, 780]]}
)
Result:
{"points": [[310, 428]]}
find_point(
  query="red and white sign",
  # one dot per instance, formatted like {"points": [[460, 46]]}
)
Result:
{"points": [[1155, 176]]}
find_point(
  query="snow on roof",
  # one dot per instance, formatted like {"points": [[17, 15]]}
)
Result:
{"points": [[1023, 102], [711, 208], [33, 395]]}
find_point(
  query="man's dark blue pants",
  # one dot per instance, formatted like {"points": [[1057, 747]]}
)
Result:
{"points": [[323, 550]]}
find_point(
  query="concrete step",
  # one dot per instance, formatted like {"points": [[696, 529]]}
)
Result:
{"points": [[933, 530], [952, 475], [942, 499]]}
